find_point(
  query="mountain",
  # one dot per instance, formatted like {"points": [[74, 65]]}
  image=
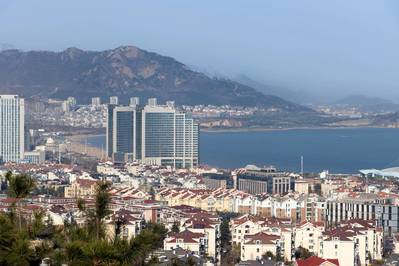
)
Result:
{"points": [[288, 94], [125, 71], [369, 104]]}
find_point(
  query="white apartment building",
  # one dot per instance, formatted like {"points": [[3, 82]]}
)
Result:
{"points": [[12, 128], [310, 236], [169, 137]]}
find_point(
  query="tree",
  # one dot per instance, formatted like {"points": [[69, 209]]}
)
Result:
{"points": [[268, 255], [19, 187], [14, 244], [152, 193], [175, 228], [101, 206], [302, 253]]}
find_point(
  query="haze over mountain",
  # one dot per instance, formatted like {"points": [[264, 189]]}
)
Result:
{"points": [[368, 104], [297, 96], [328, 49], [125, 71]]}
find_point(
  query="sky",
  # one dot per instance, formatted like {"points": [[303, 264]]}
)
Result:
{"points": [[326, 48]]}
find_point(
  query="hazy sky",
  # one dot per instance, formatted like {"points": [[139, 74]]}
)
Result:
{"points": [[330, 47]]}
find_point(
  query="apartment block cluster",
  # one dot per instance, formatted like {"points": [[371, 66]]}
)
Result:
{"points": [[153, 134], [195, 232], [293, 206], [328, 216], [353, 242]]}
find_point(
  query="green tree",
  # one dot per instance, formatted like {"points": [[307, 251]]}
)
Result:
{"points": [[303, 253], [175, 228], [19, 187], [102, 199], [268, 255]]}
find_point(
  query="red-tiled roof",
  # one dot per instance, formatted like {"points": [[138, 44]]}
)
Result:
{"points": [[316, 261], [85, 182], [186, 236], [262, 237]]}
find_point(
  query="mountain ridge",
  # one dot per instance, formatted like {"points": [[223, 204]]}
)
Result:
{"points": [[124, 71]]}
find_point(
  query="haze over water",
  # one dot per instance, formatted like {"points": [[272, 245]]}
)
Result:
{"points": [[337, 150]]}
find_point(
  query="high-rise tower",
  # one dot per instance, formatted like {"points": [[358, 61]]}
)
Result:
{"points": [[12, 128]]}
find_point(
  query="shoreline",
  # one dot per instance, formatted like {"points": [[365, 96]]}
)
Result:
{"points": [[77, 144], [80, 137], [266, 129]]}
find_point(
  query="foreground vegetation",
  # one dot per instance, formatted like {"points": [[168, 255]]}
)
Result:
{"points": [[30, 241]]}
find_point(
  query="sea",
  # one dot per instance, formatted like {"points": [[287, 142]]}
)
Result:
{"points": [[344, 150]]}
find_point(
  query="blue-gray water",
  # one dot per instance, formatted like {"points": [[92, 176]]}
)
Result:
{"points": [[338, 150]]}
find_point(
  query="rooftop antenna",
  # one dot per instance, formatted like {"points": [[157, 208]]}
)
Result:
{"points": [[301, 165]]}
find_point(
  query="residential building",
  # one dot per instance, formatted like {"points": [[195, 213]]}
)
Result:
{"points": [[12, 130], [81, 188], [187, 240], [310, 236], [169, 137], [355, 242], [130, 224], [255, 180], [114, 100], [316, 261], [71, 101], [134, 101], [123, 132], [35, 157], [217, 180], [367, 206], [95, 101], [253, 247]]}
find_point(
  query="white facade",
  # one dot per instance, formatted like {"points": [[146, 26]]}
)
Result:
{"points": [[114, 100], [12, 128], [169, 137], [95, 101], [35, 157]]}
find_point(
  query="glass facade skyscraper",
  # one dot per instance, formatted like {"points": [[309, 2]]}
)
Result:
{"points": [[12, 134], [169, 137], [155, 134], [123, 132]]}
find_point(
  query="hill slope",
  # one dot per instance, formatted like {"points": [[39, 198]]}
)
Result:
{"points": [[125, 71]]}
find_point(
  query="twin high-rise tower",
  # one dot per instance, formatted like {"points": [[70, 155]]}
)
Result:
{"points": [[154, 134]]}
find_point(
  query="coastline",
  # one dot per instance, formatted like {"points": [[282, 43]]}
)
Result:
{"points": [[77, 144], [266, 129], [80, 137]]}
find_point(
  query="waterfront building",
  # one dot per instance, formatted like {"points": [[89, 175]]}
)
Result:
{"points": [[12, 130], [155, 134], [95, 101], [255, 180], [114, 100], [134, 101], [366, 206], [71, 101], [217, 180], [35, 157], [169, 137], [124, 133]]}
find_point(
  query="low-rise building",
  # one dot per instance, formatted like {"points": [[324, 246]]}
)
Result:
{"points": [[253, 247], [81, 188]]}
